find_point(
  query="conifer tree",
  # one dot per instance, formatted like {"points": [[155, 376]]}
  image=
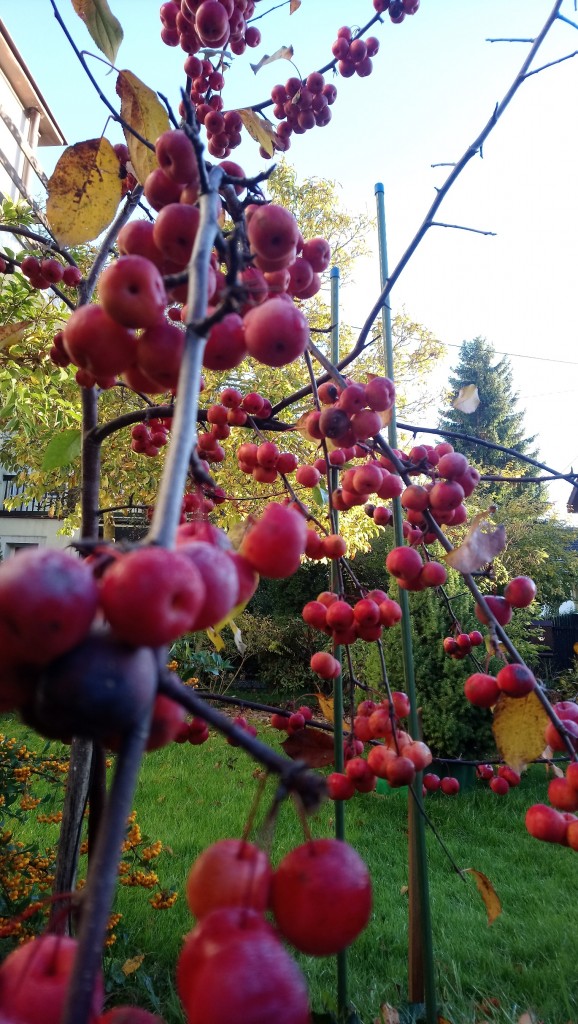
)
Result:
{"points": [[497, 418]]}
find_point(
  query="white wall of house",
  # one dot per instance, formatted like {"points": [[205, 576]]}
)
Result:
{"points": [[19, 532]]}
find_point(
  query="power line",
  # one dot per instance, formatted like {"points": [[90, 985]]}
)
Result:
{"points": [[518, 355], [514, 355]]}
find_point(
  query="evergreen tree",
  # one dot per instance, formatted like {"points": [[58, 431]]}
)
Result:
{"points": [[497, 418]]}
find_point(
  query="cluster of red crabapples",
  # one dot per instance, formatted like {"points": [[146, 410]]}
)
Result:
{"points": [[515, 680], [346, 623], [396, 760], [148, 438], [501, 781], [51, 604], [44, 273], [102, 340], [459, 646], [214, 24], [320, 900], [556, 822], [299, 105]]}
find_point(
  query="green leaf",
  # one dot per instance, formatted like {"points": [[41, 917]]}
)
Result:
{"points": [[319, 495], [62, 449], [105, 29]]}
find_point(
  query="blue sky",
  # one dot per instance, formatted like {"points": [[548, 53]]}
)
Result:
{"points": [[436, 81]]}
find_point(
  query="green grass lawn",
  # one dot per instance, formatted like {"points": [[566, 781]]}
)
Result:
{"points": [[527, 960]]}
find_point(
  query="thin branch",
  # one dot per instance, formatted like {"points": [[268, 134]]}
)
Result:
{"points": [[471, 151], [572, 478], [124, 214], [294, 775], [480, 600], [34, 236], [460, 227], [184, 434], [552, 63]]}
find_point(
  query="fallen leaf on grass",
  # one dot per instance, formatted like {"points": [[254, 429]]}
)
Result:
{"points": [[132, 965], [310, 745], [480, 545], [388, 1014], [488, 894]]}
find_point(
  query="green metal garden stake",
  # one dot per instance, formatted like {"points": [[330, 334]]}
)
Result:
{"points": [[417, 830], [342, 999]]}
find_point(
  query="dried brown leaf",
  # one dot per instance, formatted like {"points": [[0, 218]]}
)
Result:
{"points": [[294, 5], [283, 53], [83, 192], [259, 129], [310, 745], [388, 1014], [141, 108], [468, 399], [518, 728], [488, 894], [11, 334], [132, 965], [480, 545]]}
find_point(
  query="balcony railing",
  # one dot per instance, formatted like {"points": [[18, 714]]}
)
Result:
{"points": [[52, 505]]}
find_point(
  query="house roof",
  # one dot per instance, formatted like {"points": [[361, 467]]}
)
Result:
{"points": [[14, 67]]}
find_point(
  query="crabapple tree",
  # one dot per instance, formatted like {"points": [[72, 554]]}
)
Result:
{"points": [[217, 280]]}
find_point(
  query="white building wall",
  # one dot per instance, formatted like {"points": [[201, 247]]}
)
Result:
{"points": [[17, 532]]}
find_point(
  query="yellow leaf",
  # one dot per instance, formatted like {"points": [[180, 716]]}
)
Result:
{"points": [[488, 894], [283, 53], [294, 5], [215, 639], [259, 129], [327, 706], [132, 965], [10, 334], [518, 728], [468, 399], [83, 192], [141, 108], [105, 29]]}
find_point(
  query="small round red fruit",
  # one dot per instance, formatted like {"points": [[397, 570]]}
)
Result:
{"points": [[450, 785], [230, 873], [321, 896]]}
